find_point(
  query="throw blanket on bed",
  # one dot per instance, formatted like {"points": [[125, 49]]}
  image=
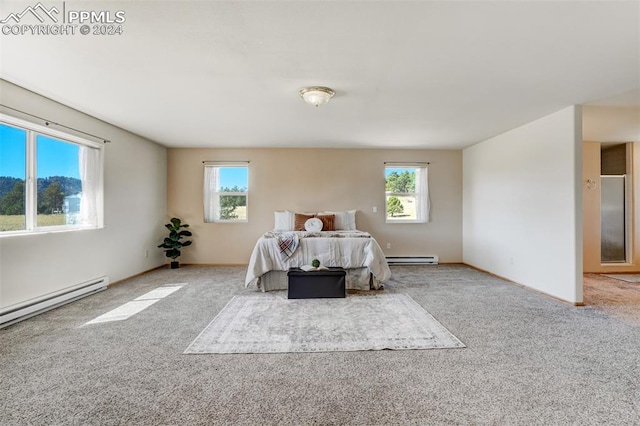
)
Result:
{"points": [[345, 249], [287, 244]]}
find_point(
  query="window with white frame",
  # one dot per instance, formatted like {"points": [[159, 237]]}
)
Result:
{"points": [[226, 192], [406, 193], [49, 180]]}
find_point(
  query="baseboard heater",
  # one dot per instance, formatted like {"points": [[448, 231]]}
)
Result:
{"points": [[413, 260], [21, 311]]}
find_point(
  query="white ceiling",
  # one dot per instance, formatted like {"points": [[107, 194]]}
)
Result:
{"points": [[428, 74]]}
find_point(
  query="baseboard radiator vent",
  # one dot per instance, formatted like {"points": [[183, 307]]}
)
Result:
{"points": [[413, 260], [21, 311]]}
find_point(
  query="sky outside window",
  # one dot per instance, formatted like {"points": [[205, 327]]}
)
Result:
{"points": [[57, 158], [229, 177], [13, 152]]}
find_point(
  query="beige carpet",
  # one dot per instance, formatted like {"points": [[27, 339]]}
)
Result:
{"points": [[613, 296], [271, 323], [530, 360]]}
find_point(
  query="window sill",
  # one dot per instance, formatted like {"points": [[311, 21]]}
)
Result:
{"points": [[7, 234], [229, 221]]}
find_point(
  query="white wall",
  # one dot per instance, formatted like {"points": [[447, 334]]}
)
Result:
{"points": [[522, 205], [135, 211]]}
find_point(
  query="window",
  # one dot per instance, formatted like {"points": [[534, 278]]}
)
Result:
{"points": [[406, 193], [49, 180], [226, 188]]}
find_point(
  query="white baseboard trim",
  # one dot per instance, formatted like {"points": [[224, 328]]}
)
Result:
{"points": [[21, 311], [412, 260]]}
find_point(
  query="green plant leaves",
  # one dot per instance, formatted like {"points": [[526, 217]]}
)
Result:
{"points": [[172, 244]]}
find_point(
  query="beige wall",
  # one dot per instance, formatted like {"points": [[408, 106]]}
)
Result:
{"points": [[611, 123], [591, 200], [309, 180]]}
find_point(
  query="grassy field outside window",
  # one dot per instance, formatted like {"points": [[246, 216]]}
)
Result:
{"points": [[16, 222]]}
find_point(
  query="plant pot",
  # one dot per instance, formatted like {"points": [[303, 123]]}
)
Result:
{"points": [[175, 264]]}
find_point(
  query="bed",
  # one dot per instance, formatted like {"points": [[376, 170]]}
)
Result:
{"points": [[338, 244]]}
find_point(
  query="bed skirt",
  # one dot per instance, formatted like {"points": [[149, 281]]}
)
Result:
{"points": [[356, 279]]}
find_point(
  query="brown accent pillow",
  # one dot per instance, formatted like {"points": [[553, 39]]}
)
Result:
{"points": [[327, 221], [299, 220]]}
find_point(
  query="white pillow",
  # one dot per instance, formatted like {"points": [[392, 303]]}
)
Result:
{"points": [[344, 220], [284, 221], [314, 225]]}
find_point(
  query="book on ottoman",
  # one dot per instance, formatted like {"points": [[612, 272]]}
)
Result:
{"points": [[316, 283]]}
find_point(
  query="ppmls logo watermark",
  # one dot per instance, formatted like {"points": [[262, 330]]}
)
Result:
{"points": [[59, 20]]}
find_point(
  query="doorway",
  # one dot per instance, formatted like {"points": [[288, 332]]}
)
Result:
{"points": [[615, 203]]}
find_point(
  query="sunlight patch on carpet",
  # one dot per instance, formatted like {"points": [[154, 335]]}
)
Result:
{"points": [[159, 293], [630, 278], [271, 323], [138, 305]]}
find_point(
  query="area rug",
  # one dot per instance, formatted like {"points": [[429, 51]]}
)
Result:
{"points": [[630, 278], [271, 323]]}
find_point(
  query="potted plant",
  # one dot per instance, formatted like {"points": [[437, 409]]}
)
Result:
{"points": [[173, 244]]}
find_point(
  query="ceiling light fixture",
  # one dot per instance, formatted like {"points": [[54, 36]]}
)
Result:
{"points": [[316, 95]]}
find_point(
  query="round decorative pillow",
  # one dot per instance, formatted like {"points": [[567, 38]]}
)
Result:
{"points": [[313, 225]]}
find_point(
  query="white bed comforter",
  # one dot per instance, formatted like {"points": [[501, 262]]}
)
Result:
{"points": [[345, 249]]}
